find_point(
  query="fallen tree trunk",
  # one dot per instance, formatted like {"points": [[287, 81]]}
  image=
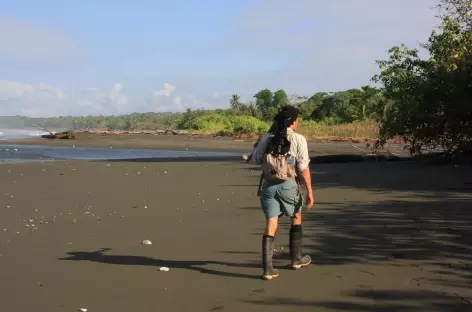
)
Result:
{"points": [[65, 135]]}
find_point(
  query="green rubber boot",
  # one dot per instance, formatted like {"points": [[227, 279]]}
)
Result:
{"points": [[267, 254], [298, 260]]}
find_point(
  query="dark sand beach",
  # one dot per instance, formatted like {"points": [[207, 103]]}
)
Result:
{"points": [[383, 237]]}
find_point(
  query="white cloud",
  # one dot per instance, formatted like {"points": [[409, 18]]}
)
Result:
{"points": [[22, 42], [51, 91], [215, 95], [161, 100], [118, 99], [166, 90], [47, 100]]}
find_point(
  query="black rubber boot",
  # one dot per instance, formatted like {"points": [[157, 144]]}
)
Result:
{"points": [[267, 253], [298, 260]]}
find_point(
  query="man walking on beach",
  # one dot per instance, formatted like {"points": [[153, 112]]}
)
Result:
{"points": [[283, 154]]}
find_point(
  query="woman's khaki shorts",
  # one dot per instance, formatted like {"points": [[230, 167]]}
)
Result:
{"points": [[278, 199]]}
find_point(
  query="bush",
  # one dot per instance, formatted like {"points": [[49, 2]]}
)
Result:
{"points": [[361, 130], [187, 120], [228, 125], [213, 123], [248, 124]]}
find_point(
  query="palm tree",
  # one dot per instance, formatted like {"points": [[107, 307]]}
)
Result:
{"points": [[235, 102], [367, 103]]}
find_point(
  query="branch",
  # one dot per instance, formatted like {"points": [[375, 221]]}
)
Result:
{"points": [[45, 129]]}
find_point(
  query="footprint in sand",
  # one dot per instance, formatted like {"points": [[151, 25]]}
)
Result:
{"points": [[256, 292], [218, 308]]}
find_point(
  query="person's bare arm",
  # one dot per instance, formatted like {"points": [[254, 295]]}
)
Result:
{"points": [[304, 168], [306, 177]]}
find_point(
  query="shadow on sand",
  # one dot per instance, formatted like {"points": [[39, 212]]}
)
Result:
{"points": [[430, 229], [380, 301], [198, 266], [176, 159], [319, 159]]}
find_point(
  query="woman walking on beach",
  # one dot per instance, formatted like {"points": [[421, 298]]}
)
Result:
{"points": [[285, 162]]}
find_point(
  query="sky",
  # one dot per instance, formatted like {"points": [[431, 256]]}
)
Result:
{"points": [[84, 57]]}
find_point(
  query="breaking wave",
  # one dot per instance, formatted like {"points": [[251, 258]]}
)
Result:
{"points": [[13, 134]]}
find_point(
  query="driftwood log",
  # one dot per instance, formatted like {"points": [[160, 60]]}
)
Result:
{"points": [[69, 135], [65, 135]]}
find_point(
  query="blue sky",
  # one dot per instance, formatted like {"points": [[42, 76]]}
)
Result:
{"points": [[111, 57]]}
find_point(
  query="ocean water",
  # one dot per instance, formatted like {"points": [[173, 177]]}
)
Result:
{"points": [[34, 153], [14, 134]]}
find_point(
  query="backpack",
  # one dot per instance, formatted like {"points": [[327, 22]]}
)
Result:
{"points": [[278, 167]]}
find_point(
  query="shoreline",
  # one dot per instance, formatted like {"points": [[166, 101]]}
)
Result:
{"points": [[41, 153], [122, 148], [198, 143], [250, 136], [213, 157]]}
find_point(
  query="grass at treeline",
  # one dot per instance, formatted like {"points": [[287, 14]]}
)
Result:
{"points": [[216, 124]]}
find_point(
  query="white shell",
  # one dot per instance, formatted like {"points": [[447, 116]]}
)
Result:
{"points": [[164, 269], [146, 242]]}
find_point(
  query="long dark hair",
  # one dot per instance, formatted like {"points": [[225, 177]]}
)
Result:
{"points": [[279, 143]]}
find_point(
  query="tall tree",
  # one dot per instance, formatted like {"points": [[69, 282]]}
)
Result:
{"points": [[308, 106], [431, 98], [264, 99], [280, 99]]}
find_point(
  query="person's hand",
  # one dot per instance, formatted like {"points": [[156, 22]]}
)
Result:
{"points": [[309, 200]]}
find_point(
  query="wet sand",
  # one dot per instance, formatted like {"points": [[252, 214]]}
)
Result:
{"points": [[193, 143], [383, 236]]}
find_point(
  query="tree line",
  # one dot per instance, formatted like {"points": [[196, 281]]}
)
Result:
{"points": [[334, 108], [366, 103]]}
